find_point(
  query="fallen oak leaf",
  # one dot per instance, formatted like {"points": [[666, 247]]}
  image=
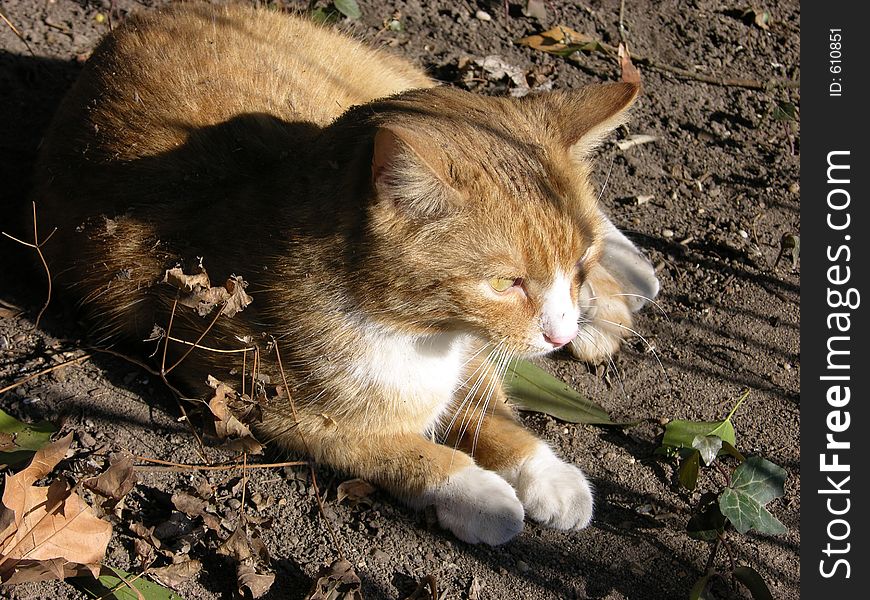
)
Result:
{"points": [[115, 482], [562, 41], [337, 581], [48, 532], [176, 574], [257, 584], [194, 507], [354, 490], [225, 425]]}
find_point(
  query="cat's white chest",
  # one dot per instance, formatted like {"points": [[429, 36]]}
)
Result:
{"points": [[418, 376]]}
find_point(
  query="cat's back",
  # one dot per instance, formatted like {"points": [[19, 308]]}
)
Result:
{"points": [[171, 71]]}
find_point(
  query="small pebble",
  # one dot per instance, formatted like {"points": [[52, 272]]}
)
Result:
{"points": [[795, 188], [743, 234], [522, 566], [668, 233], [482, 15]]}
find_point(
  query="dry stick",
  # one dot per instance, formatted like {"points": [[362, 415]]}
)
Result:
{"points": [[226, 467], [44, 372], [307, 450], [245, 370], [621, 26], [193, 347], [16, 32], [751, 84], [173, 389], [37, 245]]}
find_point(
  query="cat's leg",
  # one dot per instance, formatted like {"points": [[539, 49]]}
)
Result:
{"points": [[475, 504], [619, 285], [553, 492]]}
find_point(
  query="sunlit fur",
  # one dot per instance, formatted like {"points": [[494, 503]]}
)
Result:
{"points": [[367, 209]]}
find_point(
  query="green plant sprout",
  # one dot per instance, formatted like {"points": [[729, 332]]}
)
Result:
{"points": [[738, 505]]}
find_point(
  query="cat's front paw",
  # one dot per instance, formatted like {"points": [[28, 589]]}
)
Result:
{"points": [[478, 506], [600, 334], [553, 492]]}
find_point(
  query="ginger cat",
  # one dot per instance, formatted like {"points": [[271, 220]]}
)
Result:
{"points": [[403, 242]]}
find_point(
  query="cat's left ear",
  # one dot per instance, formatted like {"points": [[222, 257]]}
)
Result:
{"points": [[410, 174], [587, 115]]}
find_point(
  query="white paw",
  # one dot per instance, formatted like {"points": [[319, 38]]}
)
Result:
{"points": [[553, 492], [478, 506]]}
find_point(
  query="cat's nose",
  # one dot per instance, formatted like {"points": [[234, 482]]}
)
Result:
{"points": [[561, 338]]}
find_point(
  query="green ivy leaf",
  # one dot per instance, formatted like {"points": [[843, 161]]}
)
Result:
{"points": [[533, 389], [689, 470], [19, 441], [681, 434], [709, 447], [750, 578], [111, 578], [349, 8], [729, 449], [755, 483], [709, 521]]}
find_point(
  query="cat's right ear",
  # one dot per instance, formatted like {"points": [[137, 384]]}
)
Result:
{"points": [[410, 174], [587, 115]]}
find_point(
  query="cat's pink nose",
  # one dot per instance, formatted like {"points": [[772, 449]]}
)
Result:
{"points": [[560, 339]]}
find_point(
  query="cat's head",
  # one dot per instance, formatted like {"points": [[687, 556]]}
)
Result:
{"points": [[483, 216]]}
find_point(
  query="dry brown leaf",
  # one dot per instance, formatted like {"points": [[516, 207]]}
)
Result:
{"points": [[188, 283], [257, 584], [237, 546], [203, 297], [560, 40], [194, 507], [176, 574], [115, 483], [354, 490], [630, 74], [225, 423], [338, 581], [48, 532]]}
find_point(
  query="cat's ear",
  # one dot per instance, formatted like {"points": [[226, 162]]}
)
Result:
{"points": [[587, 115], [410, 173]]}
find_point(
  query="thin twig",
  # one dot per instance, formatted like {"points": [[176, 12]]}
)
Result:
{"points": [[317, 495], [226, 467], [16, 32], [168, 337], [621, 25], [193, 347], [37, 245], [751, 84], [44, 372], [210, 349], [709, 568], [178, 395]]}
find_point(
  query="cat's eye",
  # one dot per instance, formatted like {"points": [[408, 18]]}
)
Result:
{"points": [[502, 284]]}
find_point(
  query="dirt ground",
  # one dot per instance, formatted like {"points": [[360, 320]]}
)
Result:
{"points": [[709, 200]]}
